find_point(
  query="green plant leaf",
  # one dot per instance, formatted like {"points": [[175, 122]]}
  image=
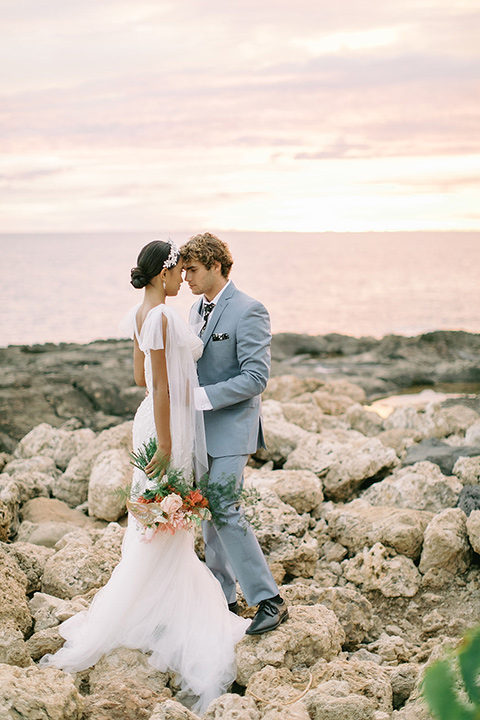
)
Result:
{"points": [[469, 661], [441, 696]]}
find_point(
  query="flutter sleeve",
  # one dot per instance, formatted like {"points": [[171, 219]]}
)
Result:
{"points": [[151, 336], [127, 323]]}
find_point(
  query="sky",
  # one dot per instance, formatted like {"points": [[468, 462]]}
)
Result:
{"points": [[280, 115]]}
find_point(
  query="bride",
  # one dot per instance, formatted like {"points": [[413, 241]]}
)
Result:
{"points": [[161, 598]]}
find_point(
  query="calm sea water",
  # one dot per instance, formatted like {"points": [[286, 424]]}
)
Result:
{"points": [[75, 287]]}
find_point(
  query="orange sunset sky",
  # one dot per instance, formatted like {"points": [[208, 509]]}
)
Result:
{"points": [[281, 115]]}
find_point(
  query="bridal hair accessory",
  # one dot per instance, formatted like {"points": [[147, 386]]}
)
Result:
{"points": [[172, 259]]}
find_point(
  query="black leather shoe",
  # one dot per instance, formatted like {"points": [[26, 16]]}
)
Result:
{"points": [[234, 608], [270, 615]]}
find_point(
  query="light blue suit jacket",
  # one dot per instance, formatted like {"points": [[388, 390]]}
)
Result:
{"points": [[234, 371]]}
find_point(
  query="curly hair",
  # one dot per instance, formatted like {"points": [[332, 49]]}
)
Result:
{"points": [[208, 249]]}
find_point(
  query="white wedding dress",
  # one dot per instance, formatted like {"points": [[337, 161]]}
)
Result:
{"points": [[161, 598]]}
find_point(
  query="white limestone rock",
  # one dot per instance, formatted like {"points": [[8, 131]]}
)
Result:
{"points": [[358, 525], [301, 489], [281, 436], [446, 546], [72, 486], [111, 471], [343, 466], [421, 486], [473, 530], [467, 469], [309, 633], [82, 564], [381, 569], [35, 693]]}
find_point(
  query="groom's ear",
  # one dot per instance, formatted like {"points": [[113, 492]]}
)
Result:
{"points": [[217, 265]]}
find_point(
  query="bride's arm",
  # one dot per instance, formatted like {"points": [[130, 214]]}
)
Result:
{"points": [[161, 406]]}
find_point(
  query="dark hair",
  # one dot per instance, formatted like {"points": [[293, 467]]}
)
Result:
{"points": [[150, 262], [208, 249]]}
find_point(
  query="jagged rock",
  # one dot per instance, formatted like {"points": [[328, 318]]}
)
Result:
{"points": [[380, 569], [344, 467], [31, 559], [446, 545], [10, 497], [441, 453], [416, 710], [34, 693], [45, 641], [33, 476], [277, 684], [286, 387], [276, 711], [458, 418], [305, 413], [391, 648], [13, 649], [282, 536], [420, 487], [43, 534], [472, 435], [5, 521], [170, 709], [423, 423], [469, 499], [80, 564], [72, 486], [357, 525], [467, 469], [49, 611], [332, 403], [473, 530], [126, 685], [368, 422], [60, 445], [310, 633], [398, 439], [299, 488], [111, 471], [361, 678], [42, 510], [354, 612], [228, 706], [281, 437], [321, 705], [402, 679], [14, 609]]}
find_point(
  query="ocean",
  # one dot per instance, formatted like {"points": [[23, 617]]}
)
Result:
{"points": [[68, 287]]}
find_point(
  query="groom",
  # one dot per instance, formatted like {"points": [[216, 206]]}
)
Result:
{"points": [[233, 372]]}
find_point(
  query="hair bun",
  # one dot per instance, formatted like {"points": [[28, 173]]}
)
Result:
{"points": [[138, 278]]}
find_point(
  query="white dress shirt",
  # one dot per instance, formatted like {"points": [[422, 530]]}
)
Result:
{"points": [[201, 398]]}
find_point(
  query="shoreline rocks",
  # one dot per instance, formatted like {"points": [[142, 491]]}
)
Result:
{"points": [[72, 386], [376, 554]]}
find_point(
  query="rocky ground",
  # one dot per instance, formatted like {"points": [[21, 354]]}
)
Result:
{"points": [[371, 526], [94, 383]]}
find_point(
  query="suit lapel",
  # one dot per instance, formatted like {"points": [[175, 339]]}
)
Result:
{"points": [[218, 311]]}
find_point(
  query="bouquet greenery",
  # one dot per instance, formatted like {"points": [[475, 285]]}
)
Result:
{"points": [[171, 502]]}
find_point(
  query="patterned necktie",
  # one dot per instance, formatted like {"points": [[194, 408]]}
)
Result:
{"points": [[207, 309]]}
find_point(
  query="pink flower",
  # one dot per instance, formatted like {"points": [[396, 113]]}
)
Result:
{"points": [[171, 504], [149, 533]]}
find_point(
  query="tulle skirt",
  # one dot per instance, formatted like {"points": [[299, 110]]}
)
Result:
{"points": [[160, 599]]}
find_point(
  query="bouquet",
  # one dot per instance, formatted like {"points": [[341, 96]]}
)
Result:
{"points": [[170, 502]]}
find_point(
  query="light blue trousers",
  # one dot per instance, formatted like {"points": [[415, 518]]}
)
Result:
{"points": [[232, 552]]}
